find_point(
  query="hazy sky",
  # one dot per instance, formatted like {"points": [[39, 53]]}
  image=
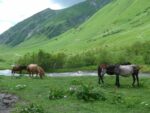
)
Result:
{"points": [[14, 11]]}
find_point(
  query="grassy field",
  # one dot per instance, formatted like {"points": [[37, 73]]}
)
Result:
{"points": [[126, 99]]}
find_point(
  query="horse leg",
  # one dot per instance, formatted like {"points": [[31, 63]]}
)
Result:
{"points": [[117, 81], [32, 74], [20, 72], [133, 75], [99, 80], [41, 76], [102, 79], [29, 74], [12, 72], [137, 78]]}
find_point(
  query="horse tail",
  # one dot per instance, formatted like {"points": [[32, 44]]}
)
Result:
{"points": [[12, 71], [136, 69]]}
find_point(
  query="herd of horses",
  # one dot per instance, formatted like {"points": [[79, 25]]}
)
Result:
{"points": [[125, 70], [31, 69]]}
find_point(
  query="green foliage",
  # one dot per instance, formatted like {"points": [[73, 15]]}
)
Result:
{"points": [[72, 89], [138, 53], [59, 60], [131, 102], [135, 100], [75, 61], [32, 108], [118, 98], [45, 60], [20, 87], [56, 93], [76, 82], [89, 93]]}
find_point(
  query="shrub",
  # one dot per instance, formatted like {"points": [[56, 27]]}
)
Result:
{"points": [[56, 94], [89, 93], [72, 90], [32, 108], [74, 61]]}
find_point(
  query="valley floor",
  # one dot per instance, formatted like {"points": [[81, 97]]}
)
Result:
{"points": [[126, 99]]}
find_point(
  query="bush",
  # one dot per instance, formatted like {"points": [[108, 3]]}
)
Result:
{"points": [[72, 90], [74, 61], [56, 94], [32, 108], [89, 93]]}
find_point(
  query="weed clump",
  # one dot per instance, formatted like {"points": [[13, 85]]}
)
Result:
{"points": [[32, 108], [89, 93], [56, 94]]}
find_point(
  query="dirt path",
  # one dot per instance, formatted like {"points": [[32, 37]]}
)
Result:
{"points": [[6, 102]]}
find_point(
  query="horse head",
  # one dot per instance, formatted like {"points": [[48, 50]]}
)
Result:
{"points": [[102, 69], [18, 68], [101, 72]]}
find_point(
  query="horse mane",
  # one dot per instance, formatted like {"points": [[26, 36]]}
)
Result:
{"points": [[111, 69]]}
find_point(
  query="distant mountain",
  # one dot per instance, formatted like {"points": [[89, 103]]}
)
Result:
{"points": [[50, 23]]}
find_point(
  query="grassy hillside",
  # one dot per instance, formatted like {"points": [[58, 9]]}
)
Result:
{"points": [[51, 23], [116, 26], [119, 24]]}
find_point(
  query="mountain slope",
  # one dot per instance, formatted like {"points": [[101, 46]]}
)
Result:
{"points": [[119, 24], [51, 23]]}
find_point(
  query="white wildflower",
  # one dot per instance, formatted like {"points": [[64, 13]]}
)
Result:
{"points": [[65, 96], [142, 102]]}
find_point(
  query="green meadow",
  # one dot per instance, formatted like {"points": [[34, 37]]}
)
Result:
{"points": [[36, 92]]}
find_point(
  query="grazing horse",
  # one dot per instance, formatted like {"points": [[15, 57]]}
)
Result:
{"points": [[18, 68], [119, 70], [35, 69]]}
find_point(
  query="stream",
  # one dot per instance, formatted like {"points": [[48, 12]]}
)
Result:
{"points": [[7, 72]]}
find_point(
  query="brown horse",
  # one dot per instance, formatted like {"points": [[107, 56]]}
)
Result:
{"points": [[18, 68], [35, 69]]}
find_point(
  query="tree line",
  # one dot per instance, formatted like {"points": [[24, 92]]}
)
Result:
{"points": [[138, 53]]}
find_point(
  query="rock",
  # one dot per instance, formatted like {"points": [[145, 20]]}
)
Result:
{"points": [[6, 102]]}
